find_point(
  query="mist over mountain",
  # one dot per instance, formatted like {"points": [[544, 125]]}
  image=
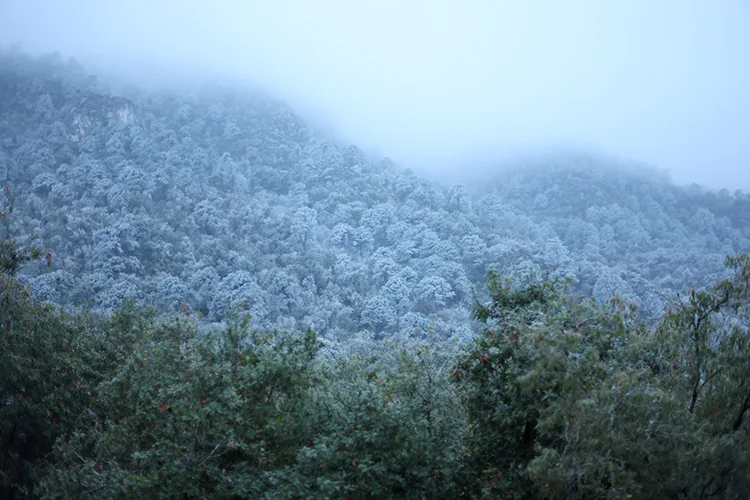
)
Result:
{"points": [[439, 85], [225, 198]]}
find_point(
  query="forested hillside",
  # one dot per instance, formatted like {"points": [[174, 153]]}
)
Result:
{"points": [[363, 332], [222, 197]]}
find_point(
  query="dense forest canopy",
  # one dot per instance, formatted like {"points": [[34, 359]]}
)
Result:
{"points": [[223, 197], [204, 296]]}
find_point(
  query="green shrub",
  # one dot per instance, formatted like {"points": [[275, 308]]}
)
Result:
{"points": [[386, 426], [186, 416]]}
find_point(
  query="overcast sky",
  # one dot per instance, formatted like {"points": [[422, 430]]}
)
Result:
{"points": [[442, 83]]}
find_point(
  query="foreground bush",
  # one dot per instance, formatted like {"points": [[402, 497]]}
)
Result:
{"points": [[570, 400], [389, 425], [50, 367], [190, 416]]}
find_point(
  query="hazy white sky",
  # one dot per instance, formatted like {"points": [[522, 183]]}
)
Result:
{"points": [[440, 83]]}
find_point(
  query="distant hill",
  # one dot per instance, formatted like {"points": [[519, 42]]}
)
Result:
{"points": [[225, 198]]}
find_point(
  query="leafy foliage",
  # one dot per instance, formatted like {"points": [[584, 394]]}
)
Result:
{"points": [[568, 399], [388, 425], [52, 365], [205, 416]]}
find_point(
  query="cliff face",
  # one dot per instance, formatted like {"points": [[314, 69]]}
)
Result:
{"points": [[99, 116]]}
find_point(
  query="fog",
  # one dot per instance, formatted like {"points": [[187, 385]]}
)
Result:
{"points": [[444, 85]]}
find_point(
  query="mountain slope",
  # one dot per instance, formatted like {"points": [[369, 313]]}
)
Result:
{"points": [[225, 198]]}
